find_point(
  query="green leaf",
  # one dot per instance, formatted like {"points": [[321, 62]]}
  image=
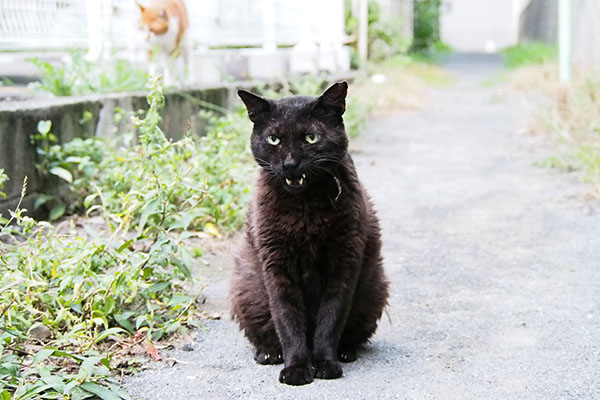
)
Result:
{"points": [[140, 321], [158, 287], [125, 245], [87, 202], [78, 393], [182, 267], [41, 200], [107, 332], [4, 395], [33, 391], [55, 381], [61, 353], [62, 173], [42, 355], [87, 368], [123, 320], [44, 126], [57, 211], [150, 208], [100, 391]]}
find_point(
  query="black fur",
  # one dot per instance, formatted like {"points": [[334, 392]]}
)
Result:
{"points": [[308, 286]]}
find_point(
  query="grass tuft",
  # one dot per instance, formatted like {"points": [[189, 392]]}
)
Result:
{"points": [[528, 53]]}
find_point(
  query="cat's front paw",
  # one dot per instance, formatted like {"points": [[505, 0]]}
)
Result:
{"points": [[327, 369], [297, 374], [269, 356], [347, 355]]}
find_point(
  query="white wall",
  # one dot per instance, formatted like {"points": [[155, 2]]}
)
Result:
{"points": [[480, 25]]}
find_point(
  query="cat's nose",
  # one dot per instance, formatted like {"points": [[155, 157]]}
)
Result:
{"points": [[289, 163]]}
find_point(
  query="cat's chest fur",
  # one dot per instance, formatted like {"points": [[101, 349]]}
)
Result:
{"points": [[306, 230]]}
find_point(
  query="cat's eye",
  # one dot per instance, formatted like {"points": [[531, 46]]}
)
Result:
{"points": [[311, 138], [274, 140]]}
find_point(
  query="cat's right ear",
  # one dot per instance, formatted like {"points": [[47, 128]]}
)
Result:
{"points": [[142, 8], [257, 106]]}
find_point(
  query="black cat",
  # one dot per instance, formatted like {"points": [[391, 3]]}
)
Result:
{"points": [[308, 286]]}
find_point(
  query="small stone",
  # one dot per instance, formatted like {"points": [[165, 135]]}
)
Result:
{"points": [[40, 332], [188, 347]]}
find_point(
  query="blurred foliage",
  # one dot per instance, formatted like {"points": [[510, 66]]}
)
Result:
{"points": [[76, 75], [426, 25], [385, 38], [355, 116], [528, 53]]}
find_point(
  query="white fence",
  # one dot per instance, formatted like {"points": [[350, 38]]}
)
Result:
{"points": [[98, 24]]}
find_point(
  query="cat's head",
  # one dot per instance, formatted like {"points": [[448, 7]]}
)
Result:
{"points": [[298, 140], [153, 18]]}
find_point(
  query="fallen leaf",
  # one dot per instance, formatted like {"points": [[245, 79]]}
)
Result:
{"points": [[151, 350]]}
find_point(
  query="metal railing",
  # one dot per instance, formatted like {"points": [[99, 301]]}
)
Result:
{"points": [[100, 24]]}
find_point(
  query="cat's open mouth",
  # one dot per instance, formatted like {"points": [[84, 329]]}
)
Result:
{"points": [[295, 182]]}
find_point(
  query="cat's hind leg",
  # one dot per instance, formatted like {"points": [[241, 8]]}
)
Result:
{"points": [[250, 307]]}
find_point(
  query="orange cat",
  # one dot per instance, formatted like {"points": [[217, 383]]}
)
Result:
{"points": [[165, 23]]}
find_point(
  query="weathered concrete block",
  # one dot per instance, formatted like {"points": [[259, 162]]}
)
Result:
{"points": [[18, 122]]}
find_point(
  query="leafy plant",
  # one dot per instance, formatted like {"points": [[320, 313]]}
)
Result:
{"points": [[65, 295], [77, 76]]}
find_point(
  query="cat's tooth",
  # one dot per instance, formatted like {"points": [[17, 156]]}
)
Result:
{"points": [[301, 181], [304, 176], [288, 181]]}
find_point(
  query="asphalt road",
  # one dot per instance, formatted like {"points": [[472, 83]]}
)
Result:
{"points": [[494, 265]]}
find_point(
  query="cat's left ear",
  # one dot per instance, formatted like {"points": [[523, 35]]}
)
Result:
{"points": [[334, 98], [257, 106]]}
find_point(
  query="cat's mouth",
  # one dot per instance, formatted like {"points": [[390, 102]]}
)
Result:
{"points": [[296, 183]]}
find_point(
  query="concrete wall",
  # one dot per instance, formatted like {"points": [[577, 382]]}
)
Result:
{"points": [[539, 22], [18, 121], [586, 35]]}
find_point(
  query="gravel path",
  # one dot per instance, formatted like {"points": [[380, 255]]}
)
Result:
{"points": [[494, 264]]}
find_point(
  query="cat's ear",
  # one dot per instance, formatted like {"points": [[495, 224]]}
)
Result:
{"points": [[141, 6], [257, 106], [334, 98]]}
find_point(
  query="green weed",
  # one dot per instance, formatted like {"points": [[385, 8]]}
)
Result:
{"points": [[207, 177]]}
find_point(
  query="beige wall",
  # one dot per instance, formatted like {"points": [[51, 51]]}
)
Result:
{"points": [[586, 35]]}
